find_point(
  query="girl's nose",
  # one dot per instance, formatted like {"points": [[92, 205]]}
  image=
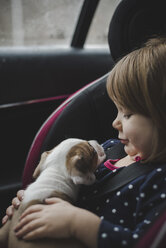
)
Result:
{"points": [[117, 124]]}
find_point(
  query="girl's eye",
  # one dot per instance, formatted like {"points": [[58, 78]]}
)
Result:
{"points": [[127, 116]]}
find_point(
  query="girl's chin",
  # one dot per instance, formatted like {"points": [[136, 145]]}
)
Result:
{"points": [[129, 151]]}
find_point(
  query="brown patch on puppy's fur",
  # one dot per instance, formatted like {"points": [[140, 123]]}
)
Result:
{"points": [[81, 157]]}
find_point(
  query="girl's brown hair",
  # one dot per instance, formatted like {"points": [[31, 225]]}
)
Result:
{"points": [[138, 83]]}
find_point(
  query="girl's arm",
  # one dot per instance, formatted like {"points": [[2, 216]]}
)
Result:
{"points": [[59, 219]]}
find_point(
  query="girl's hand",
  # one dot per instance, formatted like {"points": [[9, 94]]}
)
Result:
{"points": [[15, 204], [53, 220], [59, 219]]}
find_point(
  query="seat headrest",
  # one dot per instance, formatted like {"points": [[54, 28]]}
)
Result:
{"points": [[133, 23]]}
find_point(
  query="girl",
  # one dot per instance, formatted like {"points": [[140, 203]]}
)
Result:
{"points": [[137, 85]]}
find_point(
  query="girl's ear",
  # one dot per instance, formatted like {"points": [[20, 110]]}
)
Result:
{"points": [[38, 167]]}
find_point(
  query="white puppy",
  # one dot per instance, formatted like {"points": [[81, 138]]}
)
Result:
{"points": [[59, 173]]}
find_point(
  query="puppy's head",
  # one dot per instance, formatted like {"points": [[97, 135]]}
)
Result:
{"points": [[56, 156], [79, 157], [82, 160]]}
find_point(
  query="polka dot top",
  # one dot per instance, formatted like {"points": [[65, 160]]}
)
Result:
{"points": [[127, 212]]}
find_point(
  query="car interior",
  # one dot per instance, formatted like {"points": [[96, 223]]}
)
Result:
{"points": [[34, 82], [80, 106]]}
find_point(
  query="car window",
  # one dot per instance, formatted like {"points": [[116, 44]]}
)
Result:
{"points": [[38, 22], [50, 22], [98, 32]]}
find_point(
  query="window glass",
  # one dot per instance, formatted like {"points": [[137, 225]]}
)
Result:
{"points": [[38, 22], [98, 32]]}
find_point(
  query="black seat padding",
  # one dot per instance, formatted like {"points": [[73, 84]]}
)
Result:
{"points": [[133, 22], [89, 116]]}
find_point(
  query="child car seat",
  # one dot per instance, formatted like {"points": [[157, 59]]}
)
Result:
{"points": [[155, 235], [89, 112], [133, 23]]}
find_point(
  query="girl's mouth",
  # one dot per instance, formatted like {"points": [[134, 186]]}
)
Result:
{"points": [[123, 141]]}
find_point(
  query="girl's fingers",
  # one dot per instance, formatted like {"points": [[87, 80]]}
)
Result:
{"points": [[16, 202], [28, 228], [35, 234], [5, 219], [9, 211], [20, 194], [24, 221], [31, 209]]}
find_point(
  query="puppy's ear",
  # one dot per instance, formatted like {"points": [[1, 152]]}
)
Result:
{"points": [[79, 165], [77, 180], [38, 167], [72, 165], [74, 161], [86, 179]]}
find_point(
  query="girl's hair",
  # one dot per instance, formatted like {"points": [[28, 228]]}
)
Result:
{"points": [[138, 83]]}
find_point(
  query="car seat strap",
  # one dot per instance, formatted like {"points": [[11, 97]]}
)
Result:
{"points": [[123, 175]]}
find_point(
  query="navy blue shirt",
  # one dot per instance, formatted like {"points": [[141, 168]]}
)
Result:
{"points": [[127, 212]]}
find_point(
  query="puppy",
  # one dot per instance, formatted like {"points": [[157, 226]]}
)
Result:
{"points": [[58, 174]]}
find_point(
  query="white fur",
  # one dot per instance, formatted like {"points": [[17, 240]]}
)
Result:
{"points": [[54, 175], [100, 151]]}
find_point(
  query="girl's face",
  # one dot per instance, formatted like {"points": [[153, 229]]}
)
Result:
{"points": [[135, 132]]}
